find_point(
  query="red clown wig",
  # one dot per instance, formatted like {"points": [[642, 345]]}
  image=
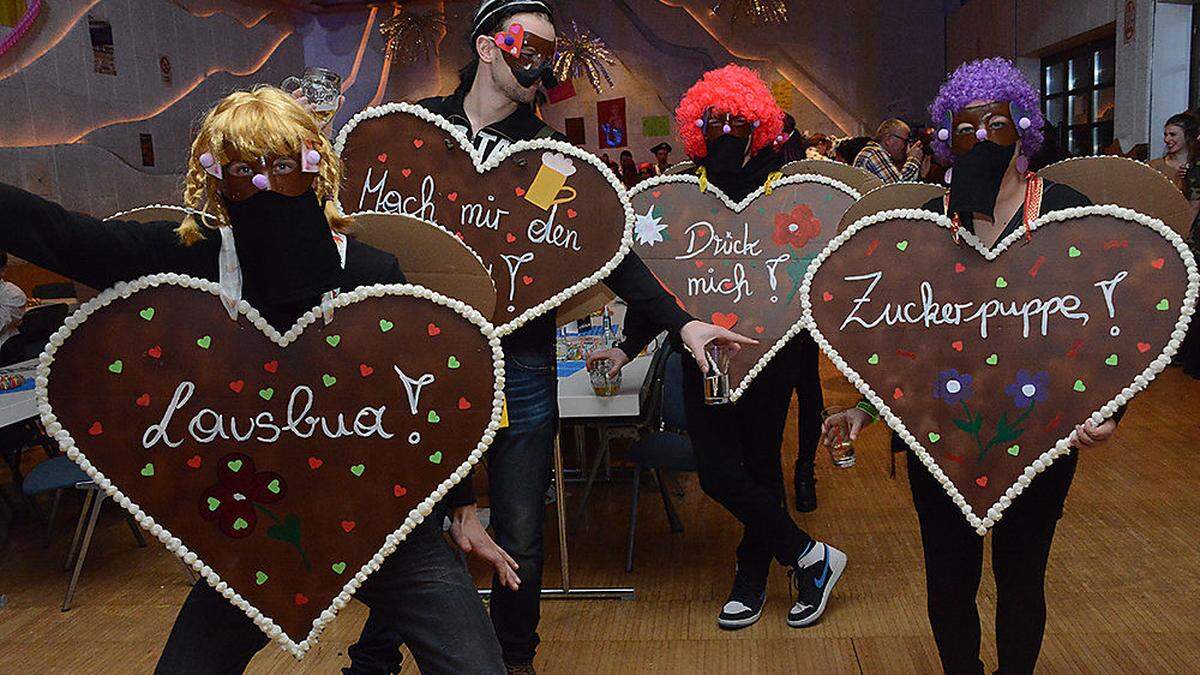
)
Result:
{"points": [[735, 90]]}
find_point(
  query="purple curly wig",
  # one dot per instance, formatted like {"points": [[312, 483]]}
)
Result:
{"points": [[993, 79]]}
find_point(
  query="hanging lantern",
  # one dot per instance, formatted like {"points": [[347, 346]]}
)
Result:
{"points": [[582, 54], [410, 34]]}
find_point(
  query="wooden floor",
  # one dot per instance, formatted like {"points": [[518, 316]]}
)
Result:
{"points": [[1123, 587]]}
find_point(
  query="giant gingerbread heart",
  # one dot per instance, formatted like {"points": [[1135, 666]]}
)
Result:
{"points": [[984, 364], [283, 468], [548, 219], [738, 265]]}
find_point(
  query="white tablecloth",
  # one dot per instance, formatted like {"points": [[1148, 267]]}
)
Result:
{"points": [[577, 400], [18, 406]]}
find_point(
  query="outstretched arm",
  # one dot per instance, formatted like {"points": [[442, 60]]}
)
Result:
{"points": [[95, 252]]}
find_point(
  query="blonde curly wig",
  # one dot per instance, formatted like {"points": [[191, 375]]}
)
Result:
{"points": [[265, 120]]}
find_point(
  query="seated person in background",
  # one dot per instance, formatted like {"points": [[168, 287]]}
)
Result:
{"points": [[891, 149], [12, 309], [819, 147]]}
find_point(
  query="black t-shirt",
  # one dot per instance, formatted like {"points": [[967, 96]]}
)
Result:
{"points": [[631, 280]]}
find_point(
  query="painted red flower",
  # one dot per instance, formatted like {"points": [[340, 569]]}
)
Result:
{"points": [[239, 489], [796, 228]]}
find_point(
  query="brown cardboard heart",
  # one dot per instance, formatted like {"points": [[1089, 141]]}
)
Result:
{"points": [[984, 361], [283, 468], [738, 265], [549, 220]]}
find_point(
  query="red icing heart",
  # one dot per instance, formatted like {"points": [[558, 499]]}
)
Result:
{"points": [[463, 403], [572, 213], [897, 394], [526, 279], [827, 296], [510, 237], [959, 268], [724, 320], [365, 370], [271, 366], [237, 386], [520, 191], [399, 490], [433, 330], [417, 143], [1158, 263], [382, 157], [743, 267], [982, 481], [143, 401], [248, 444], [406, 172], [155, 352], [1029, 391], [453, 196]]}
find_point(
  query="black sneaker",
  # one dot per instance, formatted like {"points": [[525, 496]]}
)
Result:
{"points": [[806, 491], [745, 603], [813, 586]]}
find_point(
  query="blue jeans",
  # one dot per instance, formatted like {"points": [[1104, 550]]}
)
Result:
{"points": [[422, 596], [519, 472]]}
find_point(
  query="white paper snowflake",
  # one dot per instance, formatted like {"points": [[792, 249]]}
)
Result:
{"points": [[648, 228]]}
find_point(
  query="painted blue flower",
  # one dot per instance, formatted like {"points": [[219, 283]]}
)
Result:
{"points": [[953, 387], [1029, 388]]}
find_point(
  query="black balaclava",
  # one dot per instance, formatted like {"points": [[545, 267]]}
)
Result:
{"points": [[975, 181], [726, 154], [286, 252]]}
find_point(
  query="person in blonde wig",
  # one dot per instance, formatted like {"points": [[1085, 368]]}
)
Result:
{"points": [[262, 187]]}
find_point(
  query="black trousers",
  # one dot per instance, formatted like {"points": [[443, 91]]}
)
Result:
{"points": [[737, 453], [421, 596], [802, 354], [954, 563]]}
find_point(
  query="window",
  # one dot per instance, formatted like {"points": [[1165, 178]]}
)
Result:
{"points": [[1078, 97]]}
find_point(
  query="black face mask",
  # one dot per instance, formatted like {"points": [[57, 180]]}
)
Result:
{"points": [[726, 154], [285, 249], [975, 182]]}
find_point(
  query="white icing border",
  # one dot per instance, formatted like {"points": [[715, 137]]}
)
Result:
{"points": [[125, 290], [795, 179], [1063, 445], [497, 158]]}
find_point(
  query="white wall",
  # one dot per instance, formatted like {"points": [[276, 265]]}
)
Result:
{"points": [[1170, 72]]}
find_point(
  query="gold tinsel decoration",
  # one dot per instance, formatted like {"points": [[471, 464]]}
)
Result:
{"points": [[410, 34], [580, 53], [759, 11]]}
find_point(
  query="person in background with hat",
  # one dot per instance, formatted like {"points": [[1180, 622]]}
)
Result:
{"points": [[662, 158]]}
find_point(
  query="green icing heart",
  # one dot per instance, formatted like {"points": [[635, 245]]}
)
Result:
{"points": [[1001, 282], [1163, 305], [358, 469], [993, 360], [235, 465], [260, 577], [328, 380], [204, 342], [339, 567], [874, 360], [934, 437], [385, 325], [436, 457], [240, 524], [453, 363], [213, 503], [334, 340], [1080, 386], [1074, 252], [902, 246], [1111, 360], [147, 313], [266, 394], [148, 470], [116, 367], [433, 417], [274, 486], [1014, 450]]}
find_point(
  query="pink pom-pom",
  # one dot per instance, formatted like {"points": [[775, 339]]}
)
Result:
{"points": [[313, 157], [727, 129], [699, 124], [949, 175], [260, 181], [1025, 123], [206, 160], [981, 134], [943, 135]]}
